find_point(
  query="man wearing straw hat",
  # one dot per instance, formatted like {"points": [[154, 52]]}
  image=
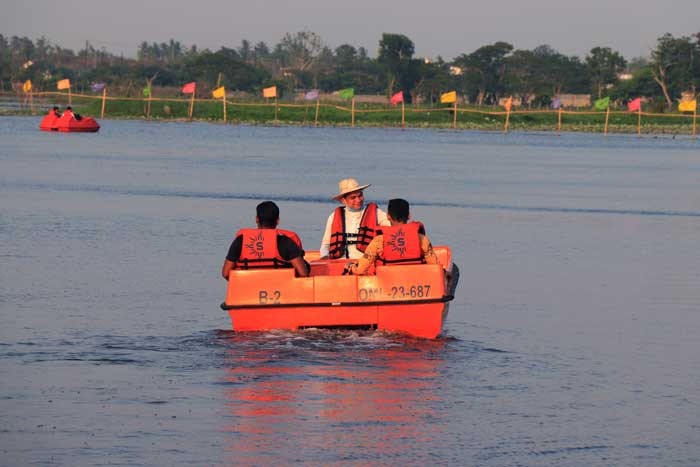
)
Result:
{"points": [[353, 225]]}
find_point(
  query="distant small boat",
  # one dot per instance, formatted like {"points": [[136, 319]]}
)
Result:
{"points": [[411, 299], [68, 123]]}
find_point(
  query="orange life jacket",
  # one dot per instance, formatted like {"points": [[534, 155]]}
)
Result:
{"points": [[292, 235], [259, 249], [340, 239], [402, 244]]}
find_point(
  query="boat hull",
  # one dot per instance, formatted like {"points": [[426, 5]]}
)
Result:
{"points": [[409, 299], [66, 124]]}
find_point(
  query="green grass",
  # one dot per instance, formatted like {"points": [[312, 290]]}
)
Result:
{"points": [[374, 115]]}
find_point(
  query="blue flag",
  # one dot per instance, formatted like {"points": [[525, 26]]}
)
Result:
{"points": [[97, 87]]}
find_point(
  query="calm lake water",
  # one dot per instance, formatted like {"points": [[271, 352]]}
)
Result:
{"points": [[573, 339]]}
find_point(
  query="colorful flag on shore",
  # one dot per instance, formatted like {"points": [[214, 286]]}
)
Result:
{"points": [[448, 97], [687, 106], [396, 98], [556, 103], [97, 87], [218, 92], [635, 105], [311, 95], [63, 84], [189, 88], [602, 104], [270, 92], [347, 93], [27, 86], [508, 104], [147, 91]]}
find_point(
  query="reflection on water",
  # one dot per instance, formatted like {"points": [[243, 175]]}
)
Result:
{"points": [[364, 397]]}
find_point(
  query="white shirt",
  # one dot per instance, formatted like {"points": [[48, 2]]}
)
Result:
{"points": [[352, 225]]}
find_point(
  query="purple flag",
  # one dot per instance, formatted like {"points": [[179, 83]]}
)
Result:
{"points": [[97, 87], [556, 103], [311, 95]]}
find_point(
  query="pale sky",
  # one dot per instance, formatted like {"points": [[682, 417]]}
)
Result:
{"points": [[436, 27]]}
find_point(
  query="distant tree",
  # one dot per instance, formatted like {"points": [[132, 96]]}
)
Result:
{"points": [[395, 57], [674, 66], [484, 70], [604, 65]]}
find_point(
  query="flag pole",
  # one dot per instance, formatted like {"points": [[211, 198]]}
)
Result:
{"points": [[70, 97], [192, 104], [639, 121], [454, 118], [695, 121], [318, 100], [148, 104], [31, 100], [352, 112], [607, 114], [403, 114], [505, 128], [223, 99], [275, 108], [559, 121], [104, 98]]}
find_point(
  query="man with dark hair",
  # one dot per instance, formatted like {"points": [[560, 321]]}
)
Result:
{"points": [[402, 243], [266, 246]]}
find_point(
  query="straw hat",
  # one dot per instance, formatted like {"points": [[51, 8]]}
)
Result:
{"points": [[348, 185]]}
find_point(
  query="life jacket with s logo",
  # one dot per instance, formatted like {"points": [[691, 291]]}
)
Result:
{"points": [[340, 239], [402, 244], [259, 248]]}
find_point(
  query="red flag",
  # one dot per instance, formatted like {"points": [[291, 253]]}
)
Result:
{"points": [[188, 88], [396, 98], [635, 105]]}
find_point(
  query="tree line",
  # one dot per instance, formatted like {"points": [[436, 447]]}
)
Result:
{"points": [[301, 61]]}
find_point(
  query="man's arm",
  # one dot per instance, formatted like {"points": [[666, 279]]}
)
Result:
{"points": [[428, 252], [300, 266], [234, 252], [226, 268], [373, 250]]}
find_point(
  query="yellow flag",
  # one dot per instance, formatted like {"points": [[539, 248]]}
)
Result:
{"points": [[508, 103], [63, 84], [687, 106], [27, 86], [218, 92], [448, 97], [270, 92]]}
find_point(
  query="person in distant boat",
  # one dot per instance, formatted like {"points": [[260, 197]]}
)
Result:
{"points": [[55, 112], [351, 227], [69, 112], [266, 246], [402, 243]]}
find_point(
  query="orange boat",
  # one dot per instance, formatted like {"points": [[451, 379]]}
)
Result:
{"points": [[412, 299], [67, 123]]}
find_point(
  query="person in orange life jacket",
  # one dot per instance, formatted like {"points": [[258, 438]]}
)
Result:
{"points": [[258, 248], [55, 112], [69, 111], [351, 227], [402, 243]]}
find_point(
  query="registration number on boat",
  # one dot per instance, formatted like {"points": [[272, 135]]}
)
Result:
{"points": [[399, 292], [265, 297]]}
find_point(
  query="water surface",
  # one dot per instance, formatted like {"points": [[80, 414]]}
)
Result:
{"points": [[572, 340]]}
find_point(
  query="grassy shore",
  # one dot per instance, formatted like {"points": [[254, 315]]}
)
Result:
{"points": [[374, 115]]}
